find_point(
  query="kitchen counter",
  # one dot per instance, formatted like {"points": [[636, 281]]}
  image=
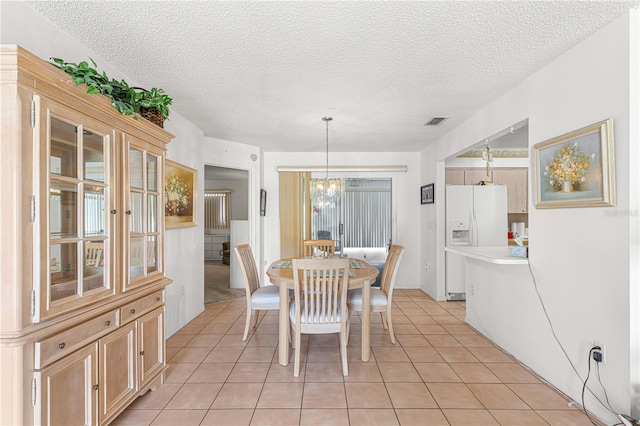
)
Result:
{"points": [[496, 255]]}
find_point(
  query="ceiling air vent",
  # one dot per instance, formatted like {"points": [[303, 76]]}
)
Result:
{"points": [[435, 121]]}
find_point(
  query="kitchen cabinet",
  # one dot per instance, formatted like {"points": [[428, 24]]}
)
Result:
{"points": [[454, 176], [517, 182], [466, 176], [473, 176], [82, 324]]}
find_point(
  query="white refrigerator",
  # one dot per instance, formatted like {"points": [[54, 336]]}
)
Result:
{"points": [[476, 215]]}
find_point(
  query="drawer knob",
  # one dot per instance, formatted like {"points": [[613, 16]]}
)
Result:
{"points": [[114, 211], [128, 211], [94, 387], [61, 345], [133, 311], [107, 323], [158, 299], [141, 352]]}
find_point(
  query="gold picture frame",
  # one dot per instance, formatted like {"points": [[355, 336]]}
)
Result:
{"points": [[180, 195], [576, 169]]}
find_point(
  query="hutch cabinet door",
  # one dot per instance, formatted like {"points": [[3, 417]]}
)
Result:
{"points": [[68, 390], [76, 205], [151, 344], [118, 369], [145, 213]]}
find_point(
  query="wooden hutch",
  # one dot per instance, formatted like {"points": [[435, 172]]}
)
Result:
{"points": [[81, 250]]}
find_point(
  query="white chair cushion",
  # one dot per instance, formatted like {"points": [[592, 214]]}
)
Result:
{"points": [[266, 297], [304, 319], [378, 298]]}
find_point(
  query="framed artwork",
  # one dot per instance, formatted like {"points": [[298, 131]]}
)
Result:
{"points": [[576, 169], [180, 186], [426, 194], [263, 202]]}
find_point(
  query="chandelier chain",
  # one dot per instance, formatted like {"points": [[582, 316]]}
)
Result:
{"points": [[326, 121]]}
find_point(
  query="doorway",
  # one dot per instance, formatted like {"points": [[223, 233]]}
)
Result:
{"points": [[499, 160], [226, 203]]}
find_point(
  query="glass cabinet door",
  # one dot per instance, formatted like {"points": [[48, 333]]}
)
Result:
{"points": [[144, 204], [76, 203]]}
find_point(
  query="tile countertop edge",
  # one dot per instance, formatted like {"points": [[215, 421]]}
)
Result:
{"points": [[496, 255]]}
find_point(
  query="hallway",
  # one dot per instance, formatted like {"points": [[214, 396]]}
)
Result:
{"points": [[216, 283]]}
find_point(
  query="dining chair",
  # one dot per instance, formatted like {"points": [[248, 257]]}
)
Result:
{"points": [[324, 235], [327, 248], [319, 306], [258, 298], [381, 297], [93, 255]]}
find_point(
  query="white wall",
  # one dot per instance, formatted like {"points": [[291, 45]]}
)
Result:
{"points": [[184, 247], [405, 196], [581, 258]]}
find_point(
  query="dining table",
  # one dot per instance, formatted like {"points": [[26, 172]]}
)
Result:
{"points": [[361, 275]]}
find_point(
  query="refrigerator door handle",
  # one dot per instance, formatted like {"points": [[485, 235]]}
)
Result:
{"points": [[475, 230], [472, 229]]}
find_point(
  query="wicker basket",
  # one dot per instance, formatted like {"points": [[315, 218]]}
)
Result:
{"points": [[153, 115]]}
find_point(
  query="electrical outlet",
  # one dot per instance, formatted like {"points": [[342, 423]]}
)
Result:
{"points": [[472, 290], [596, 355], [601, 350]]}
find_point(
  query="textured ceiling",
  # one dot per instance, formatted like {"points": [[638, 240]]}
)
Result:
{"points": [[265, 73]]}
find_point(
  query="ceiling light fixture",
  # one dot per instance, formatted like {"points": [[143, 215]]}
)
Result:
{"points": [[487, 156], [326, 191]]}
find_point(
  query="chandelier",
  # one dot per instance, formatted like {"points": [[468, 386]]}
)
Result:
{"points": [[326, 191]]}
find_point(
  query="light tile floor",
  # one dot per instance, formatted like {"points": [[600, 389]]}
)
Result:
{"points": [[441, 372]]}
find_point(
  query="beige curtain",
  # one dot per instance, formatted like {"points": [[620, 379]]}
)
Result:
{"points": [[295, 212], [217, 206]]}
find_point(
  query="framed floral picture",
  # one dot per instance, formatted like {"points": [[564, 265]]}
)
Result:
{"points": [[576, 169], [180, 187]]}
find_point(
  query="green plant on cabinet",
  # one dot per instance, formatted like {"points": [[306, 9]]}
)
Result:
{"points": [[125, 99]]}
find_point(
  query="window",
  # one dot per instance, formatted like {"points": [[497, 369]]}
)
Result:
{"points": [[217, 209], [364, 211]]}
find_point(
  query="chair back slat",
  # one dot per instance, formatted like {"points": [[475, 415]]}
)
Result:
{"points": [[248, 267], [327, 247], [390, 270], [320, 290], [93, 254]]}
